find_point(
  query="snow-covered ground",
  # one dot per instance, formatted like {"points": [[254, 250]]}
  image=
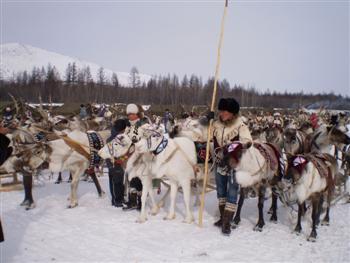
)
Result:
{"points": [[96, 231]]}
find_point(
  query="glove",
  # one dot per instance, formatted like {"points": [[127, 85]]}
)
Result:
{"points": [[210, 115], [109, 163]]}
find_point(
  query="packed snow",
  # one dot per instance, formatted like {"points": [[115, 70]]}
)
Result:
{"points": [[96, 231]]}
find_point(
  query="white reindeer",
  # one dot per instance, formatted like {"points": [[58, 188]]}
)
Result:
{"points": [[176, 160], [121, 147], [255, 170], [69, 152], [310, 177]]}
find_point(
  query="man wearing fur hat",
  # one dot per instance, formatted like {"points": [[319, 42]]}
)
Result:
{"points": [[135, 131], [228, 128]]}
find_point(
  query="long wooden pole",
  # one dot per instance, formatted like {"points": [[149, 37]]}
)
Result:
{"points": [[200, 217]]}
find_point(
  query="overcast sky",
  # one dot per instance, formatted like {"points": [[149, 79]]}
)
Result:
{"points": [[277, 45]]}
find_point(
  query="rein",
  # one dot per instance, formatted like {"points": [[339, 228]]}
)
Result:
{"points": [[161, 147], [163, 144]]}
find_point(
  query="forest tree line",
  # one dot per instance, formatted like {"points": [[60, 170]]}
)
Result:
{"points": [[79, 86]]}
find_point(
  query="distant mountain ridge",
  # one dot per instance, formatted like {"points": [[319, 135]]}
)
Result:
{"points": [[17, 58]]}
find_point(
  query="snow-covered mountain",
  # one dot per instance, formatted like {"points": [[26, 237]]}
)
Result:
{"points": [[16, 58]]}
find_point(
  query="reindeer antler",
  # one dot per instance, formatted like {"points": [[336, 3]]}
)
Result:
{"points": [[16, 104], [41, 111]]}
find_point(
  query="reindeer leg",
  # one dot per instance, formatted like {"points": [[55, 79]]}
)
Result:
{"points": [[186, 188], [259, 226], [304, 208], [70, 178], [74, 188], [315, 214], [146, 188], [319, 209], [237, 217], [173, 192], [298, 228], [28, 201], [155, 206], [197, 193], [100, 192], [274, 208], [161, 202], [325, 221], [59, 178]]}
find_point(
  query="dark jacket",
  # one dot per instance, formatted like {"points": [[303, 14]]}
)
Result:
{"points": [[5, 150]]}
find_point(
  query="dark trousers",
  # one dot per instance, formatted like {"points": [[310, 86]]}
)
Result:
{"points": [[135, 185], [1, 233], [116, 183]]}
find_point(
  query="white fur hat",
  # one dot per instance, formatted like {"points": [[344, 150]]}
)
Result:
{"points": [[132, 108]]}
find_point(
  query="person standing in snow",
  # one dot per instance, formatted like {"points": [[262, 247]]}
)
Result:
{"points": [[228, 128], [5, 153], [135, 131], [115, 169]]}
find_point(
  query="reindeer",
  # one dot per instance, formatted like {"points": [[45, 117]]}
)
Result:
{"points": [[258, 166], [310, 177], [69, 152], [168, 154]]}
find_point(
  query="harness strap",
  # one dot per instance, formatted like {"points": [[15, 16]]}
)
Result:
{"points": [[78, 147], [194, 166]]}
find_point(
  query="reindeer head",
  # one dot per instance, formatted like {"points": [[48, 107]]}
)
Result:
{"points": [[234, 152], [35, 155], [291, 143], [297, 164], [153, 141], [337, 137]]}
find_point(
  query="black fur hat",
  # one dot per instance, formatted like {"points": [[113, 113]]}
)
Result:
{"points": [[120, 125], [228, 104]]}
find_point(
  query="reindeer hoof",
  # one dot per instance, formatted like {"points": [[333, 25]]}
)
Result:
{"points": [[30, 205], [141, 220], [311, 239], [236, 221], [155, 210], [325, 223], [102, 194], [25, 203], [169, 217], [234, 226], [188, 220], [72, 205], [273, 219], [258, 228], [297, 231]]}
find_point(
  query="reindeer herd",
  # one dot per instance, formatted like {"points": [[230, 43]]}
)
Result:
{"points": [[289, 160]]}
